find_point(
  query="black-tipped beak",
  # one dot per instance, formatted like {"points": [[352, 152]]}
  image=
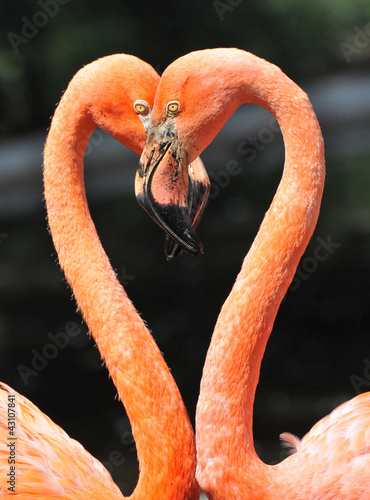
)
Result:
{"points": [[198, 190], [161, 187]]}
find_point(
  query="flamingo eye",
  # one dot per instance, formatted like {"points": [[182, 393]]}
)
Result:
{"points": [[173, 108], [141, 107]]}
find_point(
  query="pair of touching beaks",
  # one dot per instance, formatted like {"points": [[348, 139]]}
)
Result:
{"points": [[172, 192]]}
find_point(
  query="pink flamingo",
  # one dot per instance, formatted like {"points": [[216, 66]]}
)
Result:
{"points": [[196, 96], [111, 93]]}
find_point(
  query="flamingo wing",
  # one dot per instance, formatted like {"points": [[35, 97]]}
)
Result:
{"points": [[49, 464], [333, 459]]}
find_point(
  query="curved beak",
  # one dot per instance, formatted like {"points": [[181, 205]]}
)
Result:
{"points": [[172, 197], [198, 190]]}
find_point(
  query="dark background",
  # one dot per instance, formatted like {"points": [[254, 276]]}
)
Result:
{"points": [[316, 357]]}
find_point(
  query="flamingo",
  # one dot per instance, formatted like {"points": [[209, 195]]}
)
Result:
{"points": [[112, 93], [196, 96]]}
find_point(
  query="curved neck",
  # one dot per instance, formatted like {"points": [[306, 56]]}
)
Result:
{"points": [[230, 376], [160, 424]]}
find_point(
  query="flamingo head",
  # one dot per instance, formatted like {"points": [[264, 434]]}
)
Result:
{"points": [[118, 95], [192, 103]]}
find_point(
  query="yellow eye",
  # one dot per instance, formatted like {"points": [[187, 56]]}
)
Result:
{"points": [[141, 107], [173, 108]]}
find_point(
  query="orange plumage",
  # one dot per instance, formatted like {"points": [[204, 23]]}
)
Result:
{"points": [[333, 460], [49, 463]]}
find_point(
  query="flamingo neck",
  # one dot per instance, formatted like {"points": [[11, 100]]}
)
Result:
{"points": [[160, 425], [226, 454]]}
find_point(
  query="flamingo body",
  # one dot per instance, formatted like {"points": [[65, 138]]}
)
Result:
{"points": [[102, 94], [49, 464], [333, 460]]}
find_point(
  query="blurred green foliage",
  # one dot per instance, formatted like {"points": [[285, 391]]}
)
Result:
{"points": [[43, 43]]}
